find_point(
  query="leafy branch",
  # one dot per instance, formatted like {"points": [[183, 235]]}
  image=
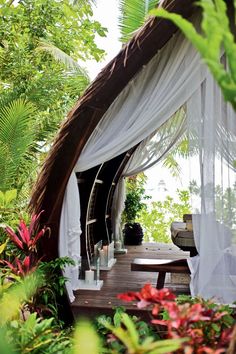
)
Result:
{"points": [[216, 34]]}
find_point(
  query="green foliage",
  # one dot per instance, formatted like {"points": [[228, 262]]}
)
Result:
{"points": [[34, 334], [16, 140], [86, 339], [45, 300], [203, 326], [133, 15], [39, 42], [129, 336], [15, 295], [134, 196], [104, 324], [157, 217], [21, 258], [216, 34], [9, 214], [37, 336]]}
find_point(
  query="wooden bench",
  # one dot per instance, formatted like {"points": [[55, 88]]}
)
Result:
{"points": [[162, 266]]}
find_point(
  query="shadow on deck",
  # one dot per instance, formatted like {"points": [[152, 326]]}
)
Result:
{"points": [[120, 279]]}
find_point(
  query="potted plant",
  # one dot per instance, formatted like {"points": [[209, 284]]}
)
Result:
{"points": [[133, 232]]}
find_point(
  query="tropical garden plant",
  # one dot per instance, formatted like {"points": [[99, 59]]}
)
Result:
{"points": [[203, 326], [40, 80], [216, 35], [133, 14], [134, 203], [179, 325], [157, 217], [19, 258]]}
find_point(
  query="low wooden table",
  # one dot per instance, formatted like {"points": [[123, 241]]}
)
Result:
{"points": [[161, 266], [183, 238]]}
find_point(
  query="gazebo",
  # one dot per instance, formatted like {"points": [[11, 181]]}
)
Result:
{"points": [[156, 83]]}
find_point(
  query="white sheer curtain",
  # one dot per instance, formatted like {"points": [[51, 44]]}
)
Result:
{"points": [[151, 98], [151, 151], [70, 231], [154, 95], [212, 144]]}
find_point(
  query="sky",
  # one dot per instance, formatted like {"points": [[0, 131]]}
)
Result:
{"points": [[106, 12]]}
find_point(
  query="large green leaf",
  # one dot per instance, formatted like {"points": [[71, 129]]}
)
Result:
{"points": [[216, 35], [61, 56], [133, 15], [17, 129], [16, 295]]}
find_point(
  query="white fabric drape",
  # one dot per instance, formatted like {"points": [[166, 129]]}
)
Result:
{"points": [[70, 231], [118, 205], [154, 148], [167, 82], [213, 140], [151, 151], [151, 98]]}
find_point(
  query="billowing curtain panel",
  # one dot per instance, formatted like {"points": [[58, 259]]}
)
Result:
{"points": [[70, 231], [148, 101], [212, 133], [151, 151]]}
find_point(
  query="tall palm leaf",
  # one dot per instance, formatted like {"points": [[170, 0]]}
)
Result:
{"points": [[133, 15], [61, 56], [16, 138], [82, 2]]}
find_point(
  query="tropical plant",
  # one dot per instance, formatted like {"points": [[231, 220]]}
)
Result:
{"points": [[9, 214], [45, 301], [104, 323], [157, 217], [133, 233], [216, 35], [133, 14], [134, 197], [130, 338], [16, 141], [40, 79], [20, 249], [37, 335], [204, 327], [32, 334], [22, 259]]}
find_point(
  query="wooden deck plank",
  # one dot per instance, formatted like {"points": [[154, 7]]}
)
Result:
{"points": [[121, 279]]}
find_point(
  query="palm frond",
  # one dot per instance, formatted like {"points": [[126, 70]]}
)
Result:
{"points": [[171, 163], [16, 137], [82, 2], [133, 15], [60, 56]]}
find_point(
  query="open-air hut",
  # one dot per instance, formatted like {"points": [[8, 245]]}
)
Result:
{"points": [[156, 74]]}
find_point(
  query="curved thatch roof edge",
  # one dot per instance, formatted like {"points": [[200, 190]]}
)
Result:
{"points": [[83, 118]]}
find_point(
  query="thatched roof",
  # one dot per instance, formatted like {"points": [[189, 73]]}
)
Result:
{"points": [[83, 118]]}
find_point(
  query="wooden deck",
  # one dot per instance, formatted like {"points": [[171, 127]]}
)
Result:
{"points": [[120, 279]]}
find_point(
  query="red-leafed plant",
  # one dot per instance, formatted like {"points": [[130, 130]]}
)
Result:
{"points": [[207, 326], [25, 239]]}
